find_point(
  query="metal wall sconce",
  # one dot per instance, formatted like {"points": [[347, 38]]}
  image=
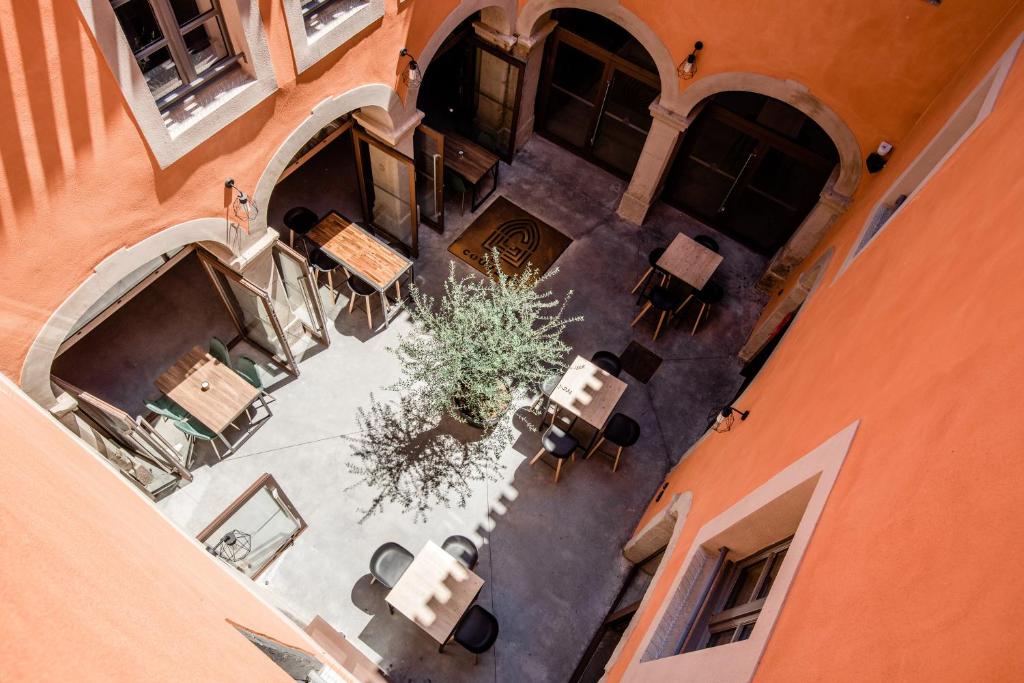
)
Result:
{"points": [[413, 76], [722, 420], [877, 160], [233, 546], [242, 205], [688, 67]]}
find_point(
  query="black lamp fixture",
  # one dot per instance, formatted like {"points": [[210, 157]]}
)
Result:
{"points": [[242, 205], [413, 76], [723, 419], [688, 67], [877, 160], [233, 546]]}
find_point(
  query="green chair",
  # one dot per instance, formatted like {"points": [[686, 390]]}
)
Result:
{"points": [[246, 369], [219, 350], [197, 431], [459, 185], [165, 407]]}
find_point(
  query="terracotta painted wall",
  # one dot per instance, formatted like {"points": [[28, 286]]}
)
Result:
{"points": [[97, 586], [78, 181], [920, 340]]}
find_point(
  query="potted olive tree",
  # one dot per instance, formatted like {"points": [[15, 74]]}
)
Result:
{"points": [[484, 343]]}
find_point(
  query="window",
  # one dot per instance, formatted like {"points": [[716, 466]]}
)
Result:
{"points": [[743, 592], [318, 27], [180, 45], [321, 14]]}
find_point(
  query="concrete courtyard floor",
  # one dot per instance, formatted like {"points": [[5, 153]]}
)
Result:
{"points": [[550, 555]]}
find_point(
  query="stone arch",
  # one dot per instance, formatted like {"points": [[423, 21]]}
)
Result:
{"points": [[35, 371], [533, 13], [794, 94]]}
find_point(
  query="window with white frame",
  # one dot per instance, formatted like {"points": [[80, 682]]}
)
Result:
{"points": [[318, 27], [967, 117]]}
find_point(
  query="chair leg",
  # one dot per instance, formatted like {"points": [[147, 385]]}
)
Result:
{"points": [[558, 469], [680, 307], [390, 608], [351, 303], [373, 579], [593, 449], [665, 279], [643, 310], [291, 238], [661, 321], [700, 313], [618, 455], [641, 280], [369, 318], [537, 457], [398, 290]]}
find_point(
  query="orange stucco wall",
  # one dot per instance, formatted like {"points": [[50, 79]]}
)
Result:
{"points": [[920, 340], [77, 181], [97, 586]]}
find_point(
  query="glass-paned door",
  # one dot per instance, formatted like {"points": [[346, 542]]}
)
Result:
{"points": [[252, 311], [429, 160], [624, 121], [496, 96], [257, 527], [387, 183], [295, 297], [576, 87]]}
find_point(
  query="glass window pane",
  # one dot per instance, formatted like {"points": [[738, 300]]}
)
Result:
{"points": [[745, 584], [250, 537], [160, 72], [721, 638], [205, 45], [187, 10], [772, 573], [745, 631], [139, 24]]}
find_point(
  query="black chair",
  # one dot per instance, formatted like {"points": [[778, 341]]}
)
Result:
{"points": [[652, 260], [476, 631], [361, 287], [712, 293], [406, 251], [607, 361], [388, 564], [622, 431], [707, 241], [663, 300], [300, 220], [462, 549], [322, 262], [557, 443]]}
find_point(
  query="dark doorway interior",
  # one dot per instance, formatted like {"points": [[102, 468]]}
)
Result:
{"points": [[752, 167], [596, 91]]}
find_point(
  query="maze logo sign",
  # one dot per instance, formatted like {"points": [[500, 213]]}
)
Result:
{"points": [[516, 241]]}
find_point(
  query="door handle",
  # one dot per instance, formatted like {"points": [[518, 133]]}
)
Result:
{"points": [[600, 110], [725, 200]]}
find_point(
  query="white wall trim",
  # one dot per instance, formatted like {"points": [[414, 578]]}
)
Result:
{"points": [[310, 49]]}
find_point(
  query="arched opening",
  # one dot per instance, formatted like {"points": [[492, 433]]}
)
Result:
{"points": [[596, 89], [752, 167]]}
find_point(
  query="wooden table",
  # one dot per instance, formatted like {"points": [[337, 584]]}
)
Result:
{"points": [[472, 164], [227, 396], [691, 262], [435, 591], [589, 393], [362, 254]]}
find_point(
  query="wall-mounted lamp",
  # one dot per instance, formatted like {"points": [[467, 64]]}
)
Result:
{"points": [[413, 76], [688, 67], [722, 420], [877, 160], [242, 205]]}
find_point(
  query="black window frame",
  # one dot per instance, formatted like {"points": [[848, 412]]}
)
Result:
{"points": [[173, 40], [312, 6], [741, 618]]}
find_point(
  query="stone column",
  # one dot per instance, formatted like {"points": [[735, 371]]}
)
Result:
{"points": [[390, 177], [830, 206], [530, 49], [655, 159]]}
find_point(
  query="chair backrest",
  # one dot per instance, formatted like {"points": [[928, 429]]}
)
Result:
{"points": [[195, 429], [219, 350], [246, 368], [622, 430], [165, 407], [707, 241], [321, 260], [458, 184], [477, 630], [712, 293], [607, 361], [300, 219]]}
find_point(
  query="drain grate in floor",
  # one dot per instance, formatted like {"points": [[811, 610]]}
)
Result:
{"points": [[640, 362]]}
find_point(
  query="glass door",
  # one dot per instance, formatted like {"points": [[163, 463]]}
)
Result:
{"points": [[624, 119], [252, 311], [575, 87], [295, 297], [496, 95], [429, 160], [387, 183]]}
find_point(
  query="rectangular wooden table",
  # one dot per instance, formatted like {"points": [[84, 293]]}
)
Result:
{"points": [[691, 262], [435, 591], [227, 396], [362, 254], [472, 164], [589, 393]]}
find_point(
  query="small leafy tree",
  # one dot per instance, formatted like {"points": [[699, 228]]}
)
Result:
{"points": [[486, 340]]}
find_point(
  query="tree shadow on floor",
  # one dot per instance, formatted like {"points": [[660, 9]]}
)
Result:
{"points": [[421, 460]]}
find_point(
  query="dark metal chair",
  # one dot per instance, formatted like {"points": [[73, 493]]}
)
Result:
{"points": [[607, 361], [322, 262], [557, 443], [652, 260], [663, 300], [299, 220], [462, 549], [476, 631], [712, 293], [622, 431], [388, 564], [361, 287], [707, 241]]}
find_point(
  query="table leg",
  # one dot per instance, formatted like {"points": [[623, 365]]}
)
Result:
{"points": [[476, 202]]}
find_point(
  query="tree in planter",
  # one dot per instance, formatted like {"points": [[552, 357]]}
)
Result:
{"points": [[484, 342]]}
